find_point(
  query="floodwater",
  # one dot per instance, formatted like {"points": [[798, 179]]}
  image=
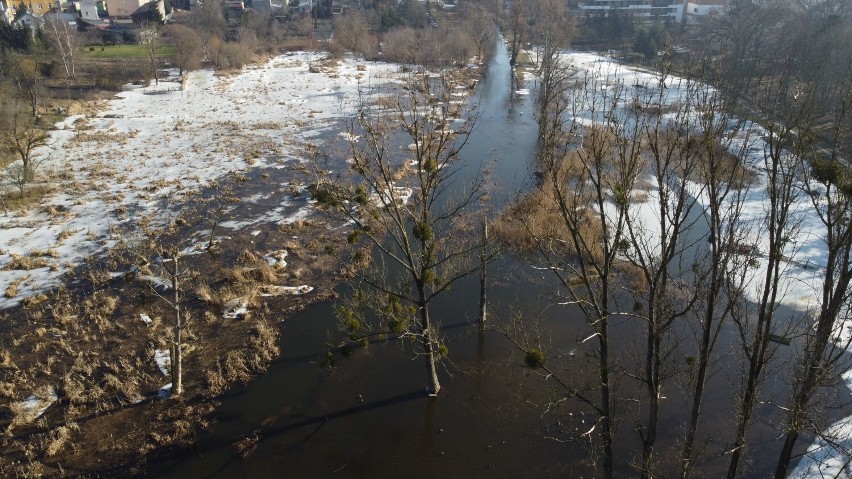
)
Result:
{"points": [[368, 416]]}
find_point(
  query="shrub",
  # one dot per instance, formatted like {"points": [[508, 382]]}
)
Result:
{"points": [[534, 358]]}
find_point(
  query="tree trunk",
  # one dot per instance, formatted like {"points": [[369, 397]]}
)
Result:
{"points": [[176, 356], [483, 279], [606, 420], [698, 395], [781, 195], [786, 454], [427, 336], [652, 370], [717, 276]]}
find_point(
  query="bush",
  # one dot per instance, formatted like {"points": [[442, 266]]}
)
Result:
{"points": [[534, 358]]}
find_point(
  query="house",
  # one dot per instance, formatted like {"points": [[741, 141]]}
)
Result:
{"points": [[87, 10], [305, 6], [148, 12], [266, 6], [235, 5], [693, 9], [69, 19], [645, 9], [30, 20], [123, 8], [115, 32], [40, 7]]}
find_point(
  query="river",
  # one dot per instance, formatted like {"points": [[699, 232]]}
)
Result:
{"points": [[368, 415]]}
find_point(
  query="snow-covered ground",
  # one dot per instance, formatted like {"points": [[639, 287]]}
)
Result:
{"points": [[801, 283], [152, 145]]}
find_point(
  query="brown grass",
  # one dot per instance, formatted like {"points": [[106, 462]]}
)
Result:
{"points": [[26, 262]]}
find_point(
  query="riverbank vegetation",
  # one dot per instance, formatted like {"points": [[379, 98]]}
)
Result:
{"points": [[631, 237], [86, 362]]}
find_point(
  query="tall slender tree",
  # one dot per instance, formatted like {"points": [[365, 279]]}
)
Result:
{"points": [[829, 186], [757, 325], [407, 211]]}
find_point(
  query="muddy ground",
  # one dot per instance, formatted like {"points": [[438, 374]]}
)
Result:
{"points": [[84, 353]]}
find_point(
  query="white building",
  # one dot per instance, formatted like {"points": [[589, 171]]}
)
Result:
{"points": [[700, 8], [648, 9], [88, 10]]}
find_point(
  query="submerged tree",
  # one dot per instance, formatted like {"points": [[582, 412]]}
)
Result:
{"points": [[725, 173], [758, 323], [159, 262], [517, 26], [577, 223], [827, 340], [411, 209]]}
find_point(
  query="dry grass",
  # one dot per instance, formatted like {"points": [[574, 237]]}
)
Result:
{"points": [[58, 439], [96, 352], [12, 289], [542, 219], [26, 262], [98, 308]]}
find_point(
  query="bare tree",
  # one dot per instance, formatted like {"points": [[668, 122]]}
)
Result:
{"points": [[401, 45], [585, 195], [188, 47], [62, 39], [26, 75], [553, 34], [151, 37], [352, 32], [826, 344], [724, 170], [782, 163], [659, 252], [19, 138], [169, 260], [419, 237], [161, 266], [480, 26], [518, 22]]}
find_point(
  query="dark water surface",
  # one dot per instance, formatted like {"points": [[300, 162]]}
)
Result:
{"points": [[369, 417]]}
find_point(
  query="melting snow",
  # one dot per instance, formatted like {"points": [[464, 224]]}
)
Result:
{"points": [[235, 308], [801, 275], [163, 359], [276, 259], [152, 145], [36, 406], [285, 290], [165, 392]]}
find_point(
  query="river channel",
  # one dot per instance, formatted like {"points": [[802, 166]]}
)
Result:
{"points": [[368, 415]]}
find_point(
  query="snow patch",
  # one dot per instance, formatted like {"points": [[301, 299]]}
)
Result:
{"points": [[36, 404], [152, 145], [163, 358], [235, 308], [272, 290], [276, 259]]}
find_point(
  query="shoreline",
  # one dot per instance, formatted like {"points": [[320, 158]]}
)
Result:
{"points": [[98, 316]]}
